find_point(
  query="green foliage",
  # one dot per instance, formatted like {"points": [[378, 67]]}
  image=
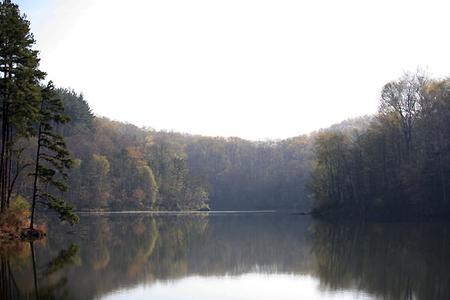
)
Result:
{"points": [[125, 167], [120, 166], [64, 210], [19, 91], [14, 219], [204, 207], [148, 182], [27, 110], [66, 257], [78, 111], [52, 158], [19, 204]]}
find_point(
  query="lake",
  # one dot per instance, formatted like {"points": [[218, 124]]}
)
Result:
{"points": [[228, 256]]}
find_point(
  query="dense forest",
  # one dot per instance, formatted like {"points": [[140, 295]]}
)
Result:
{"points": [[393, 164], [53, 147], [359, 209], [119, 166], [396, 163], [57, 155]]}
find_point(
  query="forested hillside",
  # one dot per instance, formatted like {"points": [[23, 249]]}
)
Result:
{"points": [[393, 163], [120, 166], [398, 165], [396, 162]]}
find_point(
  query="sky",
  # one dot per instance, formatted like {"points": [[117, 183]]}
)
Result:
{"points": [[256, 69]]}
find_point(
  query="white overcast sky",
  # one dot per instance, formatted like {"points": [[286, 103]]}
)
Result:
{"points": [[255, 69]]}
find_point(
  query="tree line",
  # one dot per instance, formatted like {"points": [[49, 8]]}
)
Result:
{"points": [[397, 163], [118, 166]]}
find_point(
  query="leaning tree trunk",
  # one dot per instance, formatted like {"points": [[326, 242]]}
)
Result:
{"points": [[36, 175]]}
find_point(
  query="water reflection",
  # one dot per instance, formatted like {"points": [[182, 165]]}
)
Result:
{"points": [[20, 274], [127, 256], [392, 261]]}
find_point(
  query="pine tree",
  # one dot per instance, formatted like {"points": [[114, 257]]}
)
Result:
{"points": [[52, 159], [19, 90]]}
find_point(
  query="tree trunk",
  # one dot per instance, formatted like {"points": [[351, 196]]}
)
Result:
{"points": [[36, 175]]}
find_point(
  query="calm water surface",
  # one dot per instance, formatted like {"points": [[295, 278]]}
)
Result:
{"points": [[228, 256]]}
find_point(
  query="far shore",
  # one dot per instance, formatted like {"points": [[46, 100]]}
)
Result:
{"points": [[184, 212]]}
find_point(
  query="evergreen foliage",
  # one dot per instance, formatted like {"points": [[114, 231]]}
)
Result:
{"points": [[28, 110], [19, 91], [52, 158]]}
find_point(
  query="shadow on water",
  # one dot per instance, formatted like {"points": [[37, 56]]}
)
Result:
{"points": [[109, 253], [28, 287], [391, 261], [8, 286]]}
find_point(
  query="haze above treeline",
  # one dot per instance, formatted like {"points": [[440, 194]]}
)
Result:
{"points": [[393, 164], [277, 69]]}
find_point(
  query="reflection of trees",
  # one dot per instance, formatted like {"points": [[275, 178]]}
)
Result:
{"points": [[176, 246], [114, 254], [65, 257], [29, 281], [8, 286], [392, 261], [122, 251], [245, 243]]}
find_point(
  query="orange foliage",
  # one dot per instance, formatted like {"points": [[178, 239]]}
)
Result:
{"points": [[134, 153], [12, 223], [139, 194]]}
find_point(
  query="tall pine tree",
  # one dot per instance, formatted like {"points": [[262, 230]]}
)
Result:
{"points": [[52, 159], [19, 90]]}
